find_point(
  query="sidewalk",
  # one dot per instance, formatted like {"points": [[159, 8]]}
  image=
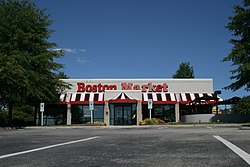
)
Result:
{"points": [[245, 126]]}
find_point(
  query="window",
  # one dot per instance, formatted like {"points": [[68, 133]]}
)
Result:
{"points": [[81, 114], [54, 114], [99, 113], [165, 112], [76, 114]]}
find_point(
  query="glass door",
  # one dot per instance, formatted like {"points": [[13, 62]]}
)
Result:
{"points": [[118, 115], [123, 115], [127, 115]]}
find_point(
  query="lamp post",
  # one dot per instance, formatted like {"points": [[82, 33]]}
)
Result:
{"points": [[216, 93]]}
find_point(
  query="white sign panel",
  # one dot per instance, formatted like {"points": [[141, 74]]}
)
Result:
{"points": [[91, 105], [150, 103], [41, 107]]}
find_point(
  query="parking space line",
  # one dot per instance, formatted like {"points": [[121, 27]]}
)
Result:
{"points": [[47, 147], [245, 156]]}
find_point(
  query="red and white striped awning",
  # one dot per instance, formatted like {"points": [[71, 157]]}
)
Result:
{"points": [[186, 98], [122, 98], [82, 98], [159, 98]]}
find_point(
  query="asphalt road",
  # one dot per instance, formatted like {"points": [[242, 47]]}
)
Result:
{"points": [[121, 146]]}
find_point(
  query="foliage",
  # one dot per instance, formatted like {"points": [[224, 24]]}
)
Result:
{"points": [[152, 121], [98, 123], [3, 118], [239, 26], [243, 107], [184, 71], [28, 72], [23, 116], [62, 75], [101, 123]]}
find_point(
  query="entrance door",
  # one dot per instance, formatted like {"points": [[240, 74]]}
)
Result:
{"points": [[123, 115]]}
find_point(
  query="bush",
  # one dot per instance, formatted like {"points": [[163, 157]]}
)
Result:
{"points": [[98, 123], [242, 107], [3, 118], [21, 118], [153, 121]]}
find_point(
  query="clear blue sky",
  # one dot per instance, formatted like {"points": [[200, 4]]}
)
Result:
{"points": [[143, 38]]}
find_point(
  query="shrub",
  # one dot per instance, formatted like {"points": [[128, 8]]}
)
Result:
{"points": [[153, 121], [3, 118], [23, 116], [98, 123]]}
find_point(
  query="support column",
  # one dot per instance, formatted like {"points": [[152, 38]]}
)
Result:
{"points": [[177, 112], [68, 114], [106, 113], [177, 108], [139, 112]]}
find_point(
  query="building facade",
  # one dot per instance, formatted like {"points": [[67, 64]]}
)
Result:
{"points": [[125, 101]]}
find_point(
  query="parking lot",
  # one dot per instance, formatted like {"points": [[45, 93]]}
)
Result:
{"points": [[126, 146]]}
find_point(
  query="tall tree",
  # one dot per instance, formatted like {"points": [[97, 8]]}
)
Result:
{"points": [[28, 72], [184, 71], [240, 28], [242, 107]]}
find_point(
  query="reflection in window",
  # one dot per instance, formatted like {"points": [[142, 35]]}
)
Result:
{"points": [[123, 114], [164, 112], [81, 114]]}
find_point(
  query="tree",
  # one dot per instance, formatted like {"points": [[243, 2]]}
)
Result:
{"points": [[28, 72], [242, 107], [240, 28], [62, 75], [184, 71]]}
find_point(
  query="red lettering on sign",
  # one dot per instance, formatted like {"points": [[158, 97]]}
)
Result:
{"points": [[127, 86], [112, 87], [81, 87], [151, 87], [165, 87], [137, 87], [94, 88], [144, 88], [159, 88], [100, 87], [89, 88]]}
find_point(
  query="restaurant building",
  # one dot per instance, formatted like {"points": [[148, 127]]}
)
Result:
{"points": [[125, 101]]}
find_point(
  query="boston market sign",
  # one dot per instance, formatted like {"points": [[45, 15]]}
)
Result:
{"points": [[82, 87]]}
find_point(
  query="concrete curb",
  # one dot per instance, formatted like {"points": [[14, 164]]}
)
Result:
{"points": [[245, 127]]}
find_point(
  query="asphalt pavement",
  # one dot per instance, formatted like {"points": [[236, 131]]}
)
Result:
{"points": [[156, 146]]}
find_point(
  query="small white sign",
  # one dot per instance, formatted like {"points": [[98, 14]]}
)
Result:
{"points": [[41, 107], [150, 103], [91, 105]]}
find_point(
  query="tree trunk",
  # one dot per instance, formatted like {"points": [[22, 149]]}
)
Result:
{"points": [[10, 121], [35, 114]]}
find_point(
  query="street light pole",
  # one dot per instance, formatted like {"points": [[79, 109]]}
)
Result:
{"points": [[216, 93]]}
